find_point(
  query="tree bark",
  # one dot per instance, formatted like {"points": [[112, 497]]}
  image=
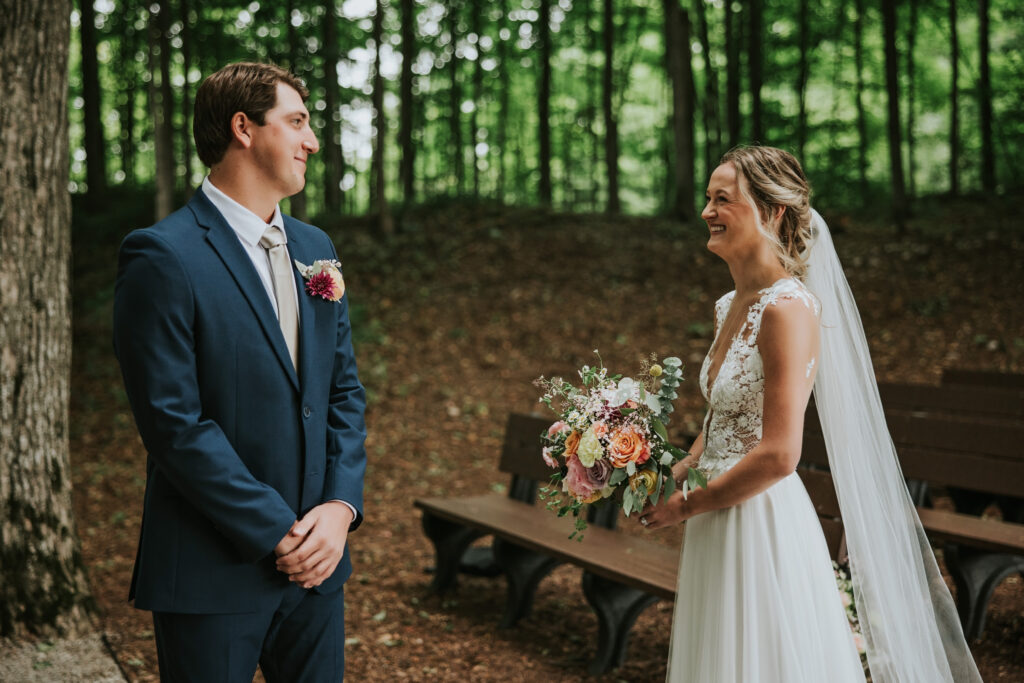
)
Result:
{"points": [[712, 122], [161, 103], [380, 199], [803, 69], [501, 130], [611, 129], [899, 198], [732, 73], [862, 125], [954, 104], [297, 204], [129, 44], [43, 586], [756, 68], [544, 100], [478, 91], [458, 154], [911, 95], [680, 70], [186, 97], [334, 159], [95, 145], [988, 161], [407, 167]]}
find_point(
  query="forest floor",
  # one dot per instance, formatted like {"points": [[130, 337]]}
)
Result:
{"points": [[453, 320]]}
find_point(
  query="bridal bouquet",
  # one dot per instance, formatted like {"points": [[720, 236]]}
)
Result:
{"points": [[610, 436]]}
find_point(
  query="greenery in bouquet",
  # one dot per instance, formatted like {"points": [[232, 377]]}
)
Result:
{"points": [[610, 437], [845, 584]]}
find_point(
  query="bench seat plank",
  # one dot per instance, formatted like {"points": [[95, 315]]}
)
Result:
{"points": [[625, 558], [976, 532]]}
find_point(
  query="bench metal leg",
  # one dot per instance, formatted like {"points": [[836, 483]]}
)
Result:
{"points": [[617, 608], [524, 570], [450, 541], [976, 575]]}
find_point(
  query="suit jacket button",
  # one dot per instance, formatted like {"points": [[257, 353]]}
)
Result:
{"points": [[306, 412]]}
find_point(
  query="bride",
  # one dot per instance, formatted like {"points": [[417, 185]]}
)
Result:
{"points": [[758, 601]]}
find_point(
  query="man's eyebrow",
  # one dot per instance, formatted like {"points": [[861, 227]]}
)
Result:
{"points": [[300, 114]]}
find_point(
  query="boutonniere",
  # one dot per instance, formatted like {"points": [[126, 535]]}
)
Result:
{"points": [[323, 279]]}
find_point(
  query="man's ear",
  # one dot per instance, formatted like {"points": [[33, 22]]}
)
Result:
{"points": [[241, 127]]}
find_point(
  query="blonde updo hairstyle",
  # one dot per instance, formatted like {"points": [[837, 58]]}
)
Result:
{"points": [[770, 178]]}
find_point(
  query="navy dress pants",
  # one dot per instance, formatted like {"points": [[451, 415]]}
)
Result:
{"points": [[301, 640]]}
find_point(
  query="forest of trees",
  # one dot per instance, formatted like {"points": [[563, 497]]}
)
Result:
{"points": [[584, 105]]}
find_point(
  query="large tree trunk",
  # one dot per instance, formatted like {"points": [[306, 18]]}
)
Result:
{"points": [[862, 123], [95, 146], [186, 97], [544, 100], [380, 197], [43, 587], [593, 88], [161, 103], [458, 154], [954, 104], [334, 159], [803, 69], [611, 128], [297, 204], [899, 198], [988, 161], [756, 68], [732, 73], [406, 170], [712, 122], [677, 30]]}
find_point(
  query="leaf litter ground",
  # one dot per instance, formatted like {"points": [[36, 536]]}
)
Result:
{"points": [[453, 320]]}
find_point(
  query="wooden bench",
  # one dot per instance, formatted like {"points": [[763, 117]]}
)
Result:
{"points": [[623, 572], [985, 378], [984, 458]]}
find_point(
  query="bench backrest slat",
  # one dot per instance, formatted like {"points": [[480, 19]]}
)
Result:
{"points": [[997, 403], [520, 456], [991, 378]]}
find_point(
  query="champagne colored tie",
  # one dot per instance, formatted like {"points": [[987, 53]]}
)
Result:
{"points": [[284, 292]]}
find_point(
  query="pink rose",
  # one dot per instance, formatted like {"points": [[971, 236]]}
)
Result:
{"points": [[557, 428], [576, 479], [549, 459]]}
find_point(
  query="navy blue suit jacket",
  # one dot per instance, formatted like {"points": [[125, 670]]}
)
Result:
{"points": [[239, 444]]}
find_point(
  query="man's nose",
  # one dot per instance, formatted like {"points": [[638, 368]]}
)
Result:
{"points": [[310, 143]]}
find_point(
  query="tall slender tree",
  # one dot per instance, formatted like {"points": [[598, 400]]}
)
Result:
{"points": [[988, 160], [298, 203], [677, 33], [732, 72], [899, 196], [911, 34], [126, 49], [186, 97], [458, 154], [161, 104], [476, 28], [755, 65], [43, 586], [611, 128], [504, 73], [544, 100], [954, 103], [380, 196], [862, 126], [95, 145], [334, 159], [406, 169], [803, 69], [712, 121]]}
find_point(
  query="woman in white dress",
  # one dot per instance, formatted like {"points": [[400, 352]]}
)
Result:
{"points": [[758, 601]]}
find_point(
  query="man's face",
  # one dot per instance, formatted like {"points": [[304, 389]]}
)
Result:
{"points": [[281, 146]]}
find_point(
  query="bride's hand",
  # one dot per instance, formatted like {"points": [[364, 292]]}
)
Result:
{"points": [[672, 511]]}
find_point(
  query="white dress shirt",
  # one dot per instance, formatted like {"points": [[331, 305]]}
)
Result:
{"points": [[250, 228]]}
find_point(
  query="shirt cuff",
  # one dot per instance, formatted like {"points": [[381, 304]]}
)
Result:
{"points": [[348, 505]]}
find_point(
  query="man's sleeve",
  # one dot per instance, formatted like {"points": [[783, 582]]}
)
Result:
{"points": [[346, 427], [154, 318]]}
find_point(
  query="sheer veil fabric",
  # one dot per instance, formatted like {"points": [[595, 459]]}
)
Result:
{"points": [[908, 617]]}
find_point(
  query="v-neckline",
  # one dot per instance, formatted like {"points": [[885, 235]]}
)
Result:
{"points": [[714, 343]]}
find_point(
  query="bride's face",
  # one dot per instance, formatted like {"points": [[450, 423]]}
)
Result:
{"points": [[730, 218]]}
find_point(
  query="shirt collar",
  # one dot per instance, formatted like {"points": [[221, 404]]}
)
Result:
{"points": [[248, 226]]}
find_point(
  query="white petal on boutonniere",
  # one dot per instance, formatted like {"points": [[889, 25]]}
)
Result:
{"points": [[323, 279]]}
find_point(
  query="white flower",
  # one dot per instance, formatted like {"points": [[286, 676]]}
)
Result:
{"points": [[652, 402], [625, 391]]}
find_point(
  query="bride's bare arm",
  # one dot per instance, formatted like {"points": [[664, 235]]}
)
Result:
{"points": [[788, 342]]}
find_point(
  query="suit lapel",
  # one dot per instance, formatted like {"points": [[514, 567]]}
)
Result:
{"points": [[303, 252], [225, 242]]}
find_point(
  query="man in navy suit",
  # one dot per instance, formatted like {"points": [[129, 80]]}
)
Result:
{"points": [[244, 389]]}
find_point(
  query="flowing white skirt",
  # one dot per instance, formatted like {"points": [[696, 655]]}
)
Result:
{"points": [[757, 600]]}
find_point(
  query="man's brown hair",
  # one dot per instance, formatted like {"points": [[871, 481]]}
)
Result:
{"points": [[246, 87]]}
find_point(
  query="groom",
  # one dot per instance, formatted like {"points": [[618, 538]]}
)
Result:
{"points": [[245, 392]]}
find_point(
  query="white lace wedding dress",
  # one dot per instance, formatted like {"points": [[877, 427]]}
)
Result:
{"points": [[758, 601]]}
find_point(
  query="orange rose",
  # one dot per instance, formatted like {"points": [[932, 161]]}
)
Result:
{"points": [[628, 445], [572, 443]]}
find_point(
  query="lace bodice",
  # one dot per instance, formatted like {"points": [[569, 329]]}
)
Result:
{"points": [[732, 426]]}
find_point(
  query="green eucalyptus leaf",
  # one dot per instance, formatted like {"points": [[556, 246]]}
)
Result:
{"points": [[631, 468], [659, 429]]}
